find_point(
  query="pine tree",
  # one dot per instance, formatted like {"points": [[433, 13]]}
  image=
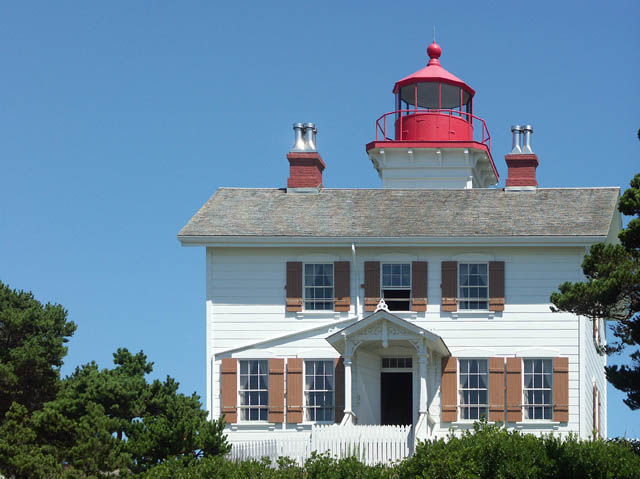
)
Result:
{"points": [[612, 291], [32, 345]]}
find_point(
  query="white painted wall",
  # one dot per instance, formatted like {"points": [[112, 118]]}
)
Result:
{"points": [[367, 388], [429, 168], [246, 304], [592, 373]]}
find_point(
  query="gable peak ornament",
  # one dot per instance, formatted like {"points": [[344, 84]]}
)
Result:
{"points": [[382, 306]]}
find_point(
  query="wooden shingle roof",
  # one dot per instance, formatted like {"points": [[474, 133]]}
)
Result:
{"points": [[377, 213]]}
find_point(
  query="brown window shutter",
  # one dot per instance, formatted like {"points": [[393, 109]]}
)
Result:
{"points": [[371, 285], [294, 286], [496, 285], [294, 390], [561, 389], [449, 286], [276, 390], [514, 389], [496, 389], [229, 389], [449, 390], [338, 381], [419, 286], [341, 285]]}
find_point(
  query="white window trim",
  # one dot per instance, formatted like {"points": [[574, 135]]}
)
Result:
{"points": [[460, 405], [304, 288], [401, 262], [524, 406], [239, 392], [465, 311], [304, 390]]}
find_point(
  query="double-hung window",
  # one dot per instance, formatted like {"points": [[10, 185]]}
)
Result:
{"points": [[319, 391], [254, 390], [474, 389], [538, 388], [318, 287], [396, 286], [473, 286]]}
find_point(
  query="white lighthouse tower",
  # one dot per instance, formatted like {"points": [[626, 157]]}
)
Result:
{"points": [[432, 139]]}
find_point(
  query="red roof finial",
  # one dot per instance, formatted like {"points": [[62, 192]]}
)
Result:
{"points": [[434, 51]]}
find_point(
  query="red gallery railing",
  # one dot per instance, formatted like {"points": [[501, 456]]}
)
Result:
{"points": [[459, 126]]}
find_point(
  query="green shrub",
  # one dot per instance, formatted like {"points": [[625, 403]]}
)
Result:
{"points": [[488, 451]]}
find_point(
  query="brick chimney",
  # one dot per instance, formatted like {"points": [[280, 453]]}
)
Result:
{"points": [[305, 164], [522, 161]]}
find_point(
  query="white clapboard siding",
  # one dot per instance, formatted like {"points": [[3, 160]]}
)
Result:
{"points": [[246, 299]]}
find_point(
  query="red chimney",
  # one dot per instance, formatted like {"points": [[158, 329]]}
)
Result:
{"points": [[522, 161], [305, 164]]}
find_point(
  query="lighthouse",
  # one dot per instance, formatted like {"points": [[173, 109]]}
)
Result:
{"points": [[432, 139]]}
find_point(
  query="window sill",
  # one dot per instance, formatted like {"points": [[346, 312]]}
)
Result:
{"points": [[265, 425], [314, 313], [538, 423], [473, 313], [467, 423]]}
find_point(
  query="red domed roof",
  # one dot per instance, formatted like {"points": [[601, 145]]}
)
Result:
{"points": [[433, 72]]}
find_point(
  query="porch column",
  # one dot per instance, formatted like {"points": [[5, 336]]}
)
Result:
{"points": [[349, 416], [422, 429]]}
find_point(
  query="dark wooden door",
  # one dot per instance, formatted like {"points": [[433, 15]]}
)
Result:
{"points": [[396, 399]]}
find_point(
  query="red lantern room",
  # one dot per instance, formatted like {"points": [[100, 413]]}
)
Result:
{"points": [[433, 105], [433, 109]]}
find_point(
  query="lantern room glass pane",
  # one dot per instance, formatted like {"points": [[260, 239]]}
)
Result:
{"points": [[450, 97], [428, 95]]}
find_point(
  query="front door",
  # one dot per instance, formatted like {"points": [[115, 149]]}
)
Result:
{"points": [[396, 398]]}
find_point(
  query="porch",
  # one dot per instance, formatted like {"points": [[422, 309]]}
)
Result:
{"points": [[390, 372]]}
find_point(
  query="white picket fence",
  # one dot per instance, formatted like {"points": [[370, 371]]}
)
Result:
{"points": [[370, 444], [297, 448]]}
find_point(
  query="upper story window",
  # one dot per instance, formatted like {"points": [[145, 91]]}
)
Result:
{"points": [[254, 390], [318, 287], [537, 388], [319, 391], [473, 289], [396, 286], [474, 389]]}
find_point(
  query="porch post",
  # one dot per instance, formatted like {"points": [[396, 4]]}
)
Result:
{"points": [[349, 416], [423, 384], [422, 427]]}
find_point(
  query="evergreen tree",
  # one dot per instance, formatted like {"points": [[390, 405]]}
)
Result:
{"points": [[95, 422], [612, 291], [32, 345]]}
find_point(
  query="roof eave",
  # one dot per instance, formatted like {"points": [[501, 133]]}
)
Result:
{"points": [[285, 241]]}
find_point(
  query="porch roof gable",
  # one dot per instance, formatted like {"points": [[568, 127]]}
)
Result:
{"points": [[363, 329]]}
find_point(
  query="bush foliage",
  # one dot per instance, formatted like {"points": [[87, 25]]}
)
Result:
{"points": [[487, 452]]}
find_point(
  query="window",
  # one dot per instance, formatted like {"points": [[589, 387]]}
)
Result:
{"points": [[254, 390], [396, 286], [538, 380], [474, 391], [318, 287], [318, 391], [473, 286]]}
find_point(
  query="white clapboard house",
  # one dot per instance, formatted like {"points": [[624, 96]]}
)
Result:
{"points": [[424, 302]]}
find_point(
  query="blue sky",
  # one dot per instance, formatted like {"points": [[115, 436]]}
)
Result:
{"points": [[119, 119]]}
